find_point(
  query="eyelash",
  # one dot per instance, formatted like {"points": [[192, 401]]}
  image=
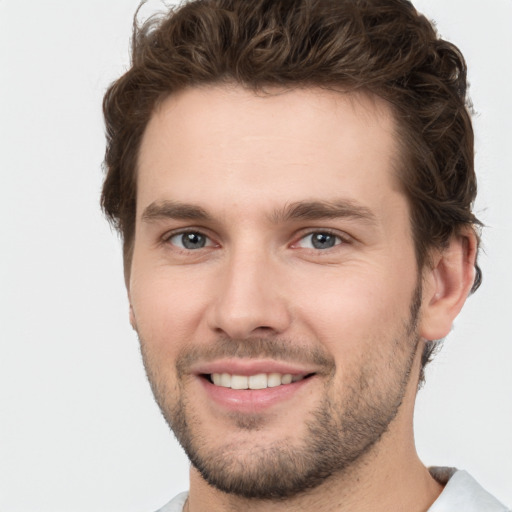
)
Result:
{"points": [[169, 236], [339, 239]]}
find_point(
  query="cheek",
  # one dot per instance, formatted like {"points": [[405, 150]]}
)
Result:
{"points": [[349, 307], [167, 308]]}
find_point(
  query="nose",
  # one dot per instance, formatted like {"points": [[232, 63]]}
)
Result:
{"points": [[250, 298]]}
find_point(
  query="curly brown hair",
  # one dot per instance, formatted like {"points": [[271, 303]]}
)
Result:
{"points": [[380, 47]]}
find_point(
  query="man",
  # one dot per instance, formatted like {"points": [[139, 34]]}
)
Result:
{"points": [[293, 181]]}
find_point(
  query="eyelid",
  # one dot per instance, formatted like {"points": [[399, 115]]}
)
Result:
{"points": [[166, 238], [343, 237]]}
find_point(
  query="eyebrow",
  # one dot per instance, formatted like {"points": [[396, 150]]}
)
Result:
{"points": [[174, 210], [317, 210], [296, 211]]}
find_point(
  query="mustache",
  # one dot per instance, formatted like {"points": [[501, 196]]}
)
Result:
{"points": [[278, 349]]}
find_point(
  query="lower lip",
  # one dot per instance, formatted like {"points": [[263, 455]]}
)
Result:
{"points": [[252, 400]]}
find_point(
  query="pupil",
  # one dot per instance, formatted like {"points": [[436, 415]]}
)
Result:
{"points": [[323, 241], [193, 240]]}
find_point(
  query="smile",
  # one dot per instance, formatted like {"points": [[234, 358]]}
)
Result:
{"points": [[258, 381], [253, 386]]}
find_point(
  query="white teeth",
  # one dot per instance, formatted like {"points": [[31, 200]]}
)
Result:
{"points": [[239, 382], [286, 379], [274, 379], [225, 380], [258, 381]]}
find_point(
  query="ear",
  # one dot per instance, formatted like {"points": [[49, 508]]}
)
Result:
{"points": [[133, 323], [447, 282], [128, 283]]}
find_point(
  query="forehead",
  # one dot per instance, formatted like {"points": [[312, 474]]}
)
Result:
{"points": [[217, 146]]}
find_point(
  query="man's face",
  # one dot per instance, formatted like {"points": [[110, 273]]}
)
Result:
{"points": [[273, 250]]}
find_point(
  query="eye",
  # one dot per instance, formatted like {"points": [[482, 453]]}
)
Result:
{"points": [[190, 240], [319, 240]]}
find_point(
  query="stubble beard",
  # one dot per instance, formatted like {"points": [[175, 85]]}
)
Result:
{"points": [[338, 432]]}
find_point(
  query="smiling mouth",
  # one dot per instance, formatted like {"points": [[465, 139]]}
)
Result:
{"points": [[258, 381]]}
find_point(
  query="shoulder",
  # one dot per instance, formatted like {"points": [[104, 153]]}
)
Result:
{"points": [[176, 504], [462, 492]]}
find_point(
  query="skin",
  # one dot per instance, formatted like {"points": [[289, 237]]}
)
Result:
{"points": [[243, 161]]}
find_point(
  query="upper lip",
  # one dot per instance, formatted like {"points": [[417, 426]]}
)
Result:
{"points": [[249, 367]]}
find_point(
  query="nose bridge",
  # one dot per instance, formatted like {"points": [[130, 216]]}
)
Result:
{"points": [[249, 300]]}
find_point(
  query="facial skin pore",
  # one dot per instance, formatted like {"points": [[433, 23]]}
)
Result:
{"points": [[273, 240]]}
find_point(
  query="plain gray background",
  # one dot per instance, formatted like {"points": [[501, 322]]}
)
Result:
{"points": [[78, 427]]}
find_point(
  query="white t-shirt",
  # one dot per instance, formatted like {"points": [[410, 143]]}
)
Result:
{"points": [[462, 493]]}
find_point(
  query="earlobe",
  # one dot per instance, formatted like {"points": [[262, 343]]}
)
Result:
{"points": [[446, 284], [133, 323]]}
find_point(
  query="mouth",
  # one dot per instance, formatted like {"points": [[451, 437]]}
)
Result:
{"points": [[256, 381], [253, 386]]}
